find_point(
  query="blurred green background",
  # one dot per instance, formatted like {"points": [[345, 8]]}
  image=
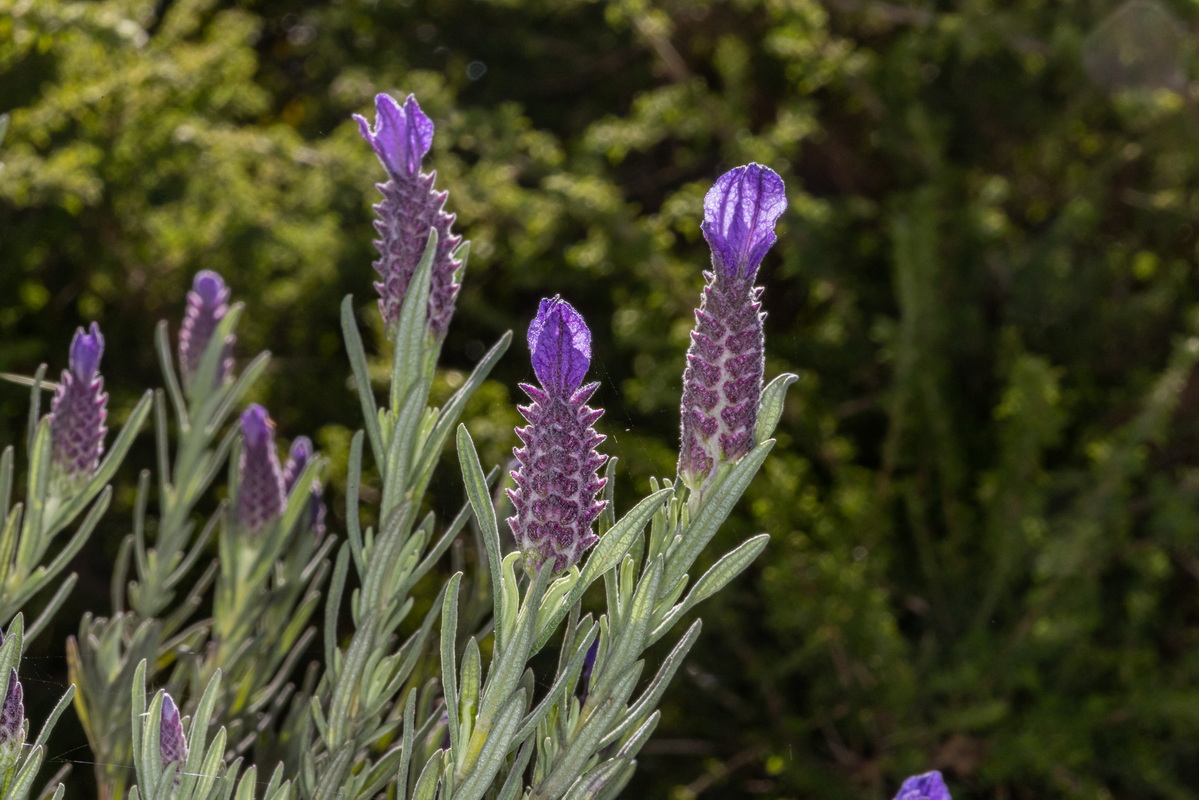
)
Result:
{"points": [[985, 498]]}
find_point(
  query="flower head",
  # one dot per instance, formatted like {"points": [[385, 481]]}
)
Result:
{"points": [[77, 414], [172, 745], [722, 382], [401, 135], [12, 723], [411, 208], [301, 453], [740, 212], [207, 305], [929, 786], [260, 495], [556, 475]]}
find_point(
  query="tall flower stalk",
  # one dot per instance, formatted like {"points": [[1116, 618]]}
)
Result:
{"points": [[556, 480], [722, 382], [410, 210]]}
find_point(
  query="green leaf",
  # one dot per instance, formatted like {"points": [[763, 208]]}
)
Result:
{"points": [[362, 380], [770, 409], [480, 501], [449, 660], [716, 578]]}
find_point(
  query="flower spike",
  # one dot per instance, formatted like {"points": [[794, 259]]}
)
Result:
{"points": [[260, 494], [77, 414], [172, 745], [722, 383], [556, 475], [411, 207], [301, 453], [207, 305]]}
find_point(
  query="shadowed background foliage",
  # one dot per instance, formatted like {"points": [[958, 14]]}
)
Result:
{"points": [[985, 499]]}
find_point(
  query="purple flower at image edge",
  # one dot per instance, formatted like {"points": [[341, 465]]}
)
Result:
{"points": [[557, 468], [12, 723], [929, 786], [207, 305], [726, 360], [301, 453], [77, 414], [410, 209], [260, 494]]}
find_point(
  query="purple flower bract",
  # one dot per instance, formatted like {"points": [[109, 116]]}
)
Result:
{"points": [[929, 786], [740, 212], [77, 414]]}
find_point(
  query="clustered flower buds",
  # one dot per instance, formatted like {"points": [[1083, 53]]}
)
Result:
{"points": [[722, 383], [401, 137], [172, 745], [12, 723], [556, 477], [260, 494], [77, 415], [929, 786], [297, 460], [207, 305]]}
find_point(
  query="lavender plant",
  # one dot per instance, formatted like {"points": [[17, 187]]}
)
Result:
{"points": [[374, 717]]}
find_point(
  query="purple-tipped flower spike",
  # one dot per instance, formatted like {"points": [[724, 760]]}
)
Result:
{"points": [[207, 304], [260, 495], [722, 383], [172, 745], [401, 137], [301, 453], [556, 475], [929, 786], [12, 724], [77, 414]]}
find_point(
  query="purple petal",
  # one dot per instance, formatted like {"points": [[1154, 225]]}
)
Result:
{"points": [[929, 786], [561, 346], [740, 211], [211, 288], [401, 136], [256, 426], [86, 349]]}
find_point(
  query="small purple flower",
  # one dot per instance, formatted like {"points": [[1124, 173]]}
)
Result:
{"points": [[260, 495], [301, 453], [401, 137], [722, 383], [77, 414], [172, 745], [556, 475], [929, 786], [12, 723], [207, 304]]}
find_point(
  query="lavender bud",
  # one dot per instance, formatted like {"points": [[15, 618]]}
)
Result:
{"points": [[207, 304], [588, 667], [77, 415], [172, 745], [12, 724], [722, 383], [301, 453], [401, 137], [929, 786], [260, 496], [556, 475]]}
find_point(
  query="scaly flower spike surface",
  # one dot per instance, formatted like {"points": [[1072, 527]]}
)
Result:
{"points": [[172, 745], [12, 724], [77, 415], [556, 477], [411, 207], [260, 494], [929, 786], [722, 384], [207, 305]]}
